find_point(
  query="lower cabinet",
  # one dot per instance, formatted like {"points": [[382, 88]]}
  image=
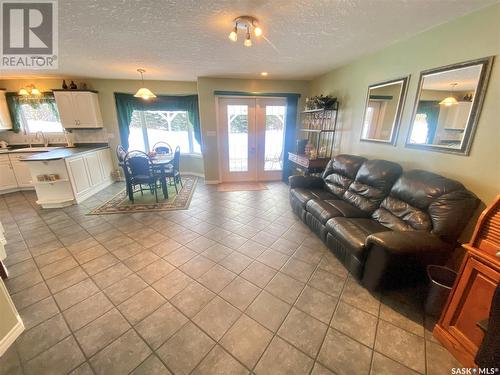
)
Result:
{"points": [[7, 177], [79, 175], [89, 173], [21, 170]]}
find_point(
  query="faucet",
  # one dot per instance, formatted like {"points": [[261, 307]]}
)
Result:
{"points": [[44, 138]]}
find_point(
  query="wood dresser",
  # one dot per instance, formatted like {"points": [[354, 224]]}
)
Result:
{"points": [[470, 299]]}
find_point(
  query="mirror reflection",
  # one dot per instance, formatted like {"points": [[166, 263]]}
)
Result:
{"points": [[444, 114], [383, 109]]}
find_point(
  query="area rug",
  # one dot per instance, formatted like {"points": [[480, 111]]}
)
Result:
{"points": [[241, 186], [120, 204]]}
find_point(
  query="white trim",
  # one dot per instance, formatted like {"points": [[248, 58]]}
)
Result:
{"points": [[12, 336], [212, 182], [9, 338]]}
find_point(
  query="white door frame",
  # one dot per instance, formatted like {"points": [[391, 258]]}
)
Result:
{"points": [[258, 174]]}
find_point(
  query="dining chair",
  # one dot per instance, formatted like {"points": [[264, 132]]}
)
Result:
{"points": [[173, 171], [140, 171], [120, 153], [162, 148]]}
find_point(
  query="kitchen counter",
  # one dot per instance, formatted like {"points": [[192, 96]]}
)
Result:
{"points": [[63, 153]]}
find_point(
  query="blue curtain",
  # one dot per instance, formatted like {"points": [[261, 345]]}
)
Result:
{"points": [[431, 109], [292, 101], [126, 104]]}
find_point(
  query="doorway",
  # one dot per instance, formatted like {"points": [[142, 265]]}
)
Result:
{"points": [[252, 132]]}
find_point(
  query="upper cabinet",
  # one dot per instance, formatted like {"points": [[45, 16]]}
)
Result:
{"points": [[79, 109], [5, 122]]}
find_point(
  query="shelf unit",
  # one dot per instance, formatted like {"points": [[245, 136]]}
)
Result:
{"points": [[319, 127]]}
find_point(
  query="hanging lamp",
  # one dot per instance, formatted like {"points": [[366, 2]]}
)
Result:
{"points": [[144, 92]]}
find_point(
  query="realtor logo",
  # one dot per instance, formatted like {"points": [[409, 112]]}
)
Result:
{"points": [[29, 37]]}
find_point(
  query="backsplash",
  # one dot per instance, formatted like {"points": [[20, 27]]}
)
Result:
{"points": [[77, 136]]}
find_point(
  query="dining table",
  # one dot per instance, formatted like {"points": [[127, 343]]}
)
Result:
{"points": [[160, 165]]}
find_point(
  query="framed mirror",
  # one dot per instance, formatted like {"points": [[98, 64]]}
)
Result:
{"points": [[447, 106], [384, 104]]}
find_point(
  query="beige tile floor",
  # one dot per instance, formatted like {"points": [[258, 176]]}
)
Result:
{"points": [[236, 284]]}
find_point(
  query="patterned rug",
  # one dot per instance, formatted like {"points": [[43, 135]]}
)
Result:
{"points": [[120, 204], [241, 186]]}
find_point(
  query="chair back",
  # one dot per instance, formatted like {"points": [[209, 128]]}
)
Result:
{"points": [[162, 148], [177, 158], [138, 163], [120, 153]]}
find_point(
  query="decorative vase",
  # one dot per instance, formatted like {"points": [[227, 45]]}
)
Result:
{"points": [[64, 85], [72, 85]]}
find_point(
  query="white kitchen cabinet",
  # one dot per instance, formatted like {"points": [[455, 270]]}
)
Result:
{"points": [[79, 175], [106, 164], [5, 121], [7, 177], [94, 169], [21, 170], [79, 109]]}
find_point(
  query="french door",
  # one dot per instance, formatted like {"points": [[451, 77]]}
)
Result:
{"points": [[252, 132]]}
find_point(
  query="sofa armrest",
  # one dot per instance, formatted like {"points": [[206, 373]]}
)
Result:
{"points": [[305, 182], [408, 242]]}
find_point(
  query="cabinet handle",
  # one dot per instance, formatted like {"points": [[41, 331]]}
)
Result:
{"points": [[498, 254]]}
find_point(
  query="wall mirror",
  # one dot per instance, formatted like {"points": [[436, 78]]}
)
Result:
{"points": [[447, 106], [384, 104]]}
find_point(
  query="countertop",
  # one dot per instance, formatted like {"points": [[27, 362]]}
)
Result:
{"points": [[63, 153]]}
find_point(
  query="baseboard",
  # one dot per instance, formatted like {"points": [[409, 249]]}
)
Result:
{"points": [[212, 182], [13, 334]]}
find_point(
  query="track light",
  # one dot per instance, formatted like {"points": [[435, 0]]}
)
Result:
{"points": [[246, 24], [248, 41], [233, 35]]}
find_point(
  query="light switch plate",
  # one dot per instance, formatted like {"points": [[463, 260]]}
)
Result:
{"points": [[211, 133]]}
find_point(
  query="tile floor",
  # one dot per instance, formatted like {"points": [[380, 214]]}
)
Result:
{"points": [[236, 284]]}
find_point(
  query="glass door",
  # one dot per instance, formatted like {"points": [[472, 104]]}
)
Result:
{"points": [[252, 134], [271, 114], [237, 130]]}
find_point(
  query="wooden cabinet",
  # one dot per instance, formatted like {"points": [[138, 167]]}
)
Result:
{"points": [[78, 109], [7, 176], [470, 299], [5, 121]]}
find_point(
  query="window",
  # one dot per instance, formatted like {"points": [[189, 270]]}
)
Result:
{"points": [[173, 127], [40, 117], [420, 129]]}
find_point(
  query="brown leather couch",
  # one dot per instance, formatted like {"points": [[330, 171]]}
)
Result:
{"points": [[384, 224]]}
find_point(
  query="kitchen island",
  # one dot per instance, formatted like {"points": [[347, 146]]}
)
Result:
{"points": [[67, 176]]}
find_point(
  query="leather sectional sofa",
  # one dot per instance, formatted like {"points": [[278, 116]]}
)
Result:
{"points": [[385, 225]]}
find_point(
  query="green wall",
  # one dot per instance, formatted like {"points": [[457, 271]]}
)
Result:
{"points": [[473, 36]]}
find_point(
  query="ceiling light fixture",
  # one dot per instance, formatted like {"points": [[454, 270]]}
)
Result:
{"points": [[29, 90], [450, 100], [264, 74], [246, 24], [144, 92]]}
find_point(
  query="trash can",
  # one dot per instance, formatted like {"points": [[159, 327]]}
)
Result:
{"points": [[441, 281]]}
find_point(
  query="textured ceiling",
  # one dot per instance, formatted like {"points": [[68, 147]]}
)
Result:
{"points": [[185, 39]]}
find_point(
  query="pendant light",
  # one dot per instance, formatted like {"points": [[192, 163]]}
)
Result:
{"points": [[144, 92], [450, 100]]}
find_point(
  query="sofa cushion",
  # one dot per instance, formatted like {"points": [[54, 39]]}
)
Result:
{"points": [[303, 195], [324, 210], [421, 200], [352, 233], [372, 184], [340, 172]]}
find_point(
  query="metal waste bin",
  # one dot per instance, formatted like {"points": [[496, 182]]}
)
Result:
{"points": [[441, 281]]}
